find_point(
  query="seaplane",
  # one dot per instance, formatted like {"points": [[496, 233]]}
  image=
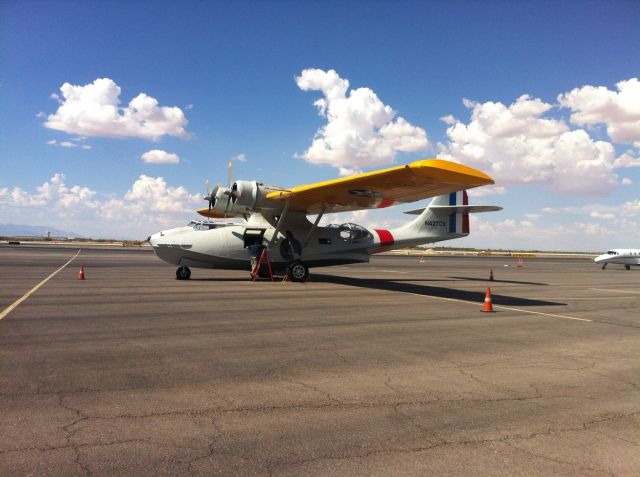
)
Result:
{"points": [[285, 221], [622, 256]]}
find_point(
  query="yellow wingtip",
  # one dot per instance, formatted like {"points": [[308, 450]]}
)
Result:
{"points": [[450, 166]]}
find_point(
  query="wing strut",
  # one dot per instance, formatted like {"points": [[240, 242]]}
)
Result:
{"points": [[280, 221], [315, 224]]}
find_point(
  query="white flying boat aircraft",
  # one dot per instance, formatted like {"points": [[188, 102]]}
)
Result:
{"points": [[277, 218], [622, 256]]}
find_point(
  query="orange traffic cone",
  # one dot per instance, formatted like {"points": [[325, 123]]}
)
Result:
{"points": [[491, 275], [81, 272], [488, 306]]}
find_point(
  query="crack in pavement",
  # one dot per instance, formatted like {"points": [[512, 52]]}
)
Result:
{"points": [[69, 434], [388, 385], [444, 443], [210, 451], [498, 387], [573, 465], [316, 389], [334, 404]]}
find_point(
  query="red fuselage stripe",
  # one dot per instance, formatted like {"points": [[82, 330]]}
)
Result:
{"points": [[385, 203], [385, 237]]}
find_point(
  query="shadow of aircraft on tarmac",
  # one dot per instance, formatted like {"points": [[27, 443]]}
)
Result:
{"points": [[403, 286], [517, 282]]}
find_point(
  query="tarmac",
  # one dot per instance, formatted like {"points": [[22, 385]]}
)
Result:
{"points": [[386, 368]]}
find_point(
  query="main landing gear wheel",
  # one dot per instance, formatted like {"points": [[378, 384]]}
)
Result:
{"points": [[298, 271], [628, 267], [183, 273]]}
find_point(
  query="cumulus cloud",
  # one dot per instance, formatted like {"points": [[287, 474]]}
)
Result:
{"points": [[239, 158], [588, 227], [487, 190], [626, 209], [627, 159], [577, 235], [150, 204], [602, 215], [361, 131], [631, 208], [53, 195], [94, 110], [156, 156], [517, 145], [68, 144], [593, 229], [448, 119], [151, 198], [618, 110]]}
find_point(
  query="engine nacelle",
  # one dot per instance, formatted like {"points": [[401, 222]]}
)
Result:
{"points": [[244, 197], [247, 193], [251, 195]]}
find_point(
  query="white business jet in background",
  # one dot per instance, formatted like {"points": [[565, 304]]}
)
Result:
{"points": [[622, 256]]}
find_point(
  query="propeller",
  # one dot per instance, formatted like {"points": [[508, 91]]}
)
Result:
{"points": [[232, 195], [211, 194], [231, 192]]}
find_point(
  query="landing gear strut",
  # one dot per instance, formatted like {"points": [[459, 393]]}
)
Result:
{"points": [[298, 271], [183, 273], [604, 266]]}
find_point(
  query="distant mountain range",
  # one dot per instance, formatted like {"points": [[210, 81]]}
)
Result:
{"points": [[15, 230]]}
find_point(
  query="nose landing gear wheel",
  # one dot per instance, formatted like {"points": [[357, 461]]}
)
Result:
{"points": [[298, 271], [183, 273]]}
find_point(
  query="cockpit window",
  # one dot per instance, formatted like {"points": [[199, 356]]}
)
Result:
{"points": [[201, 225], [353, 233], [612, 252]]}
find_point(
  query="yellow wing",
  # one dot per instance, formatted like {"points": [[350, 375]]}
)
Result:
{"points": [[383, 188]]}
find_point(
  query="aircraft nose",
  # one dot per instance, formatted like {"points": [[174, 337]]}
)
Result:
{"points": [[599, 258], [153, 239]]}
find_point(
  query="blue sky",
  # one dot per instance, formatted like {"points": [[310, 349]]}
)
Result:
{"points": [[233, 71]]}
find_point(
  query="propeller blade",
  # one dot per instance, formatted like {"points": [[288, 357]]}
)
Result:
{"points": [[211, 194], [234, 192], [230, 166], [227, 207]]}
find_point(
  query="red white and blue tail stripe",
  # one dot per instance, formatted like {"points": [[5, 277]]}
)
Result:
{"points": [[458, 223]]}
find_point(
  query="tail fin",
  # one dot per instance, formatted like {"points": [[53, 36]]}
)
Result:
{"points": [[457, 217], [446, 215]]}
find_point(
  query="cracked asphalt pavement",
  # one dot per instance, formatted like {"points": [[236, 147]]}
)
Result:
{"points": [[387, 368]]}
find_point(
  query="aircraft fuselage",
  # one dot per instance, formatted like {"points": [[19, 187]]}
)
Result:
{"points": [[225, 246], [621, 256]]}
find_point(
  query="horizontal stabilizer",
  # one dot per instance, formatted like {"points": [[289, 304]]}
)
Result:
{"points": [[451, 209]]}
